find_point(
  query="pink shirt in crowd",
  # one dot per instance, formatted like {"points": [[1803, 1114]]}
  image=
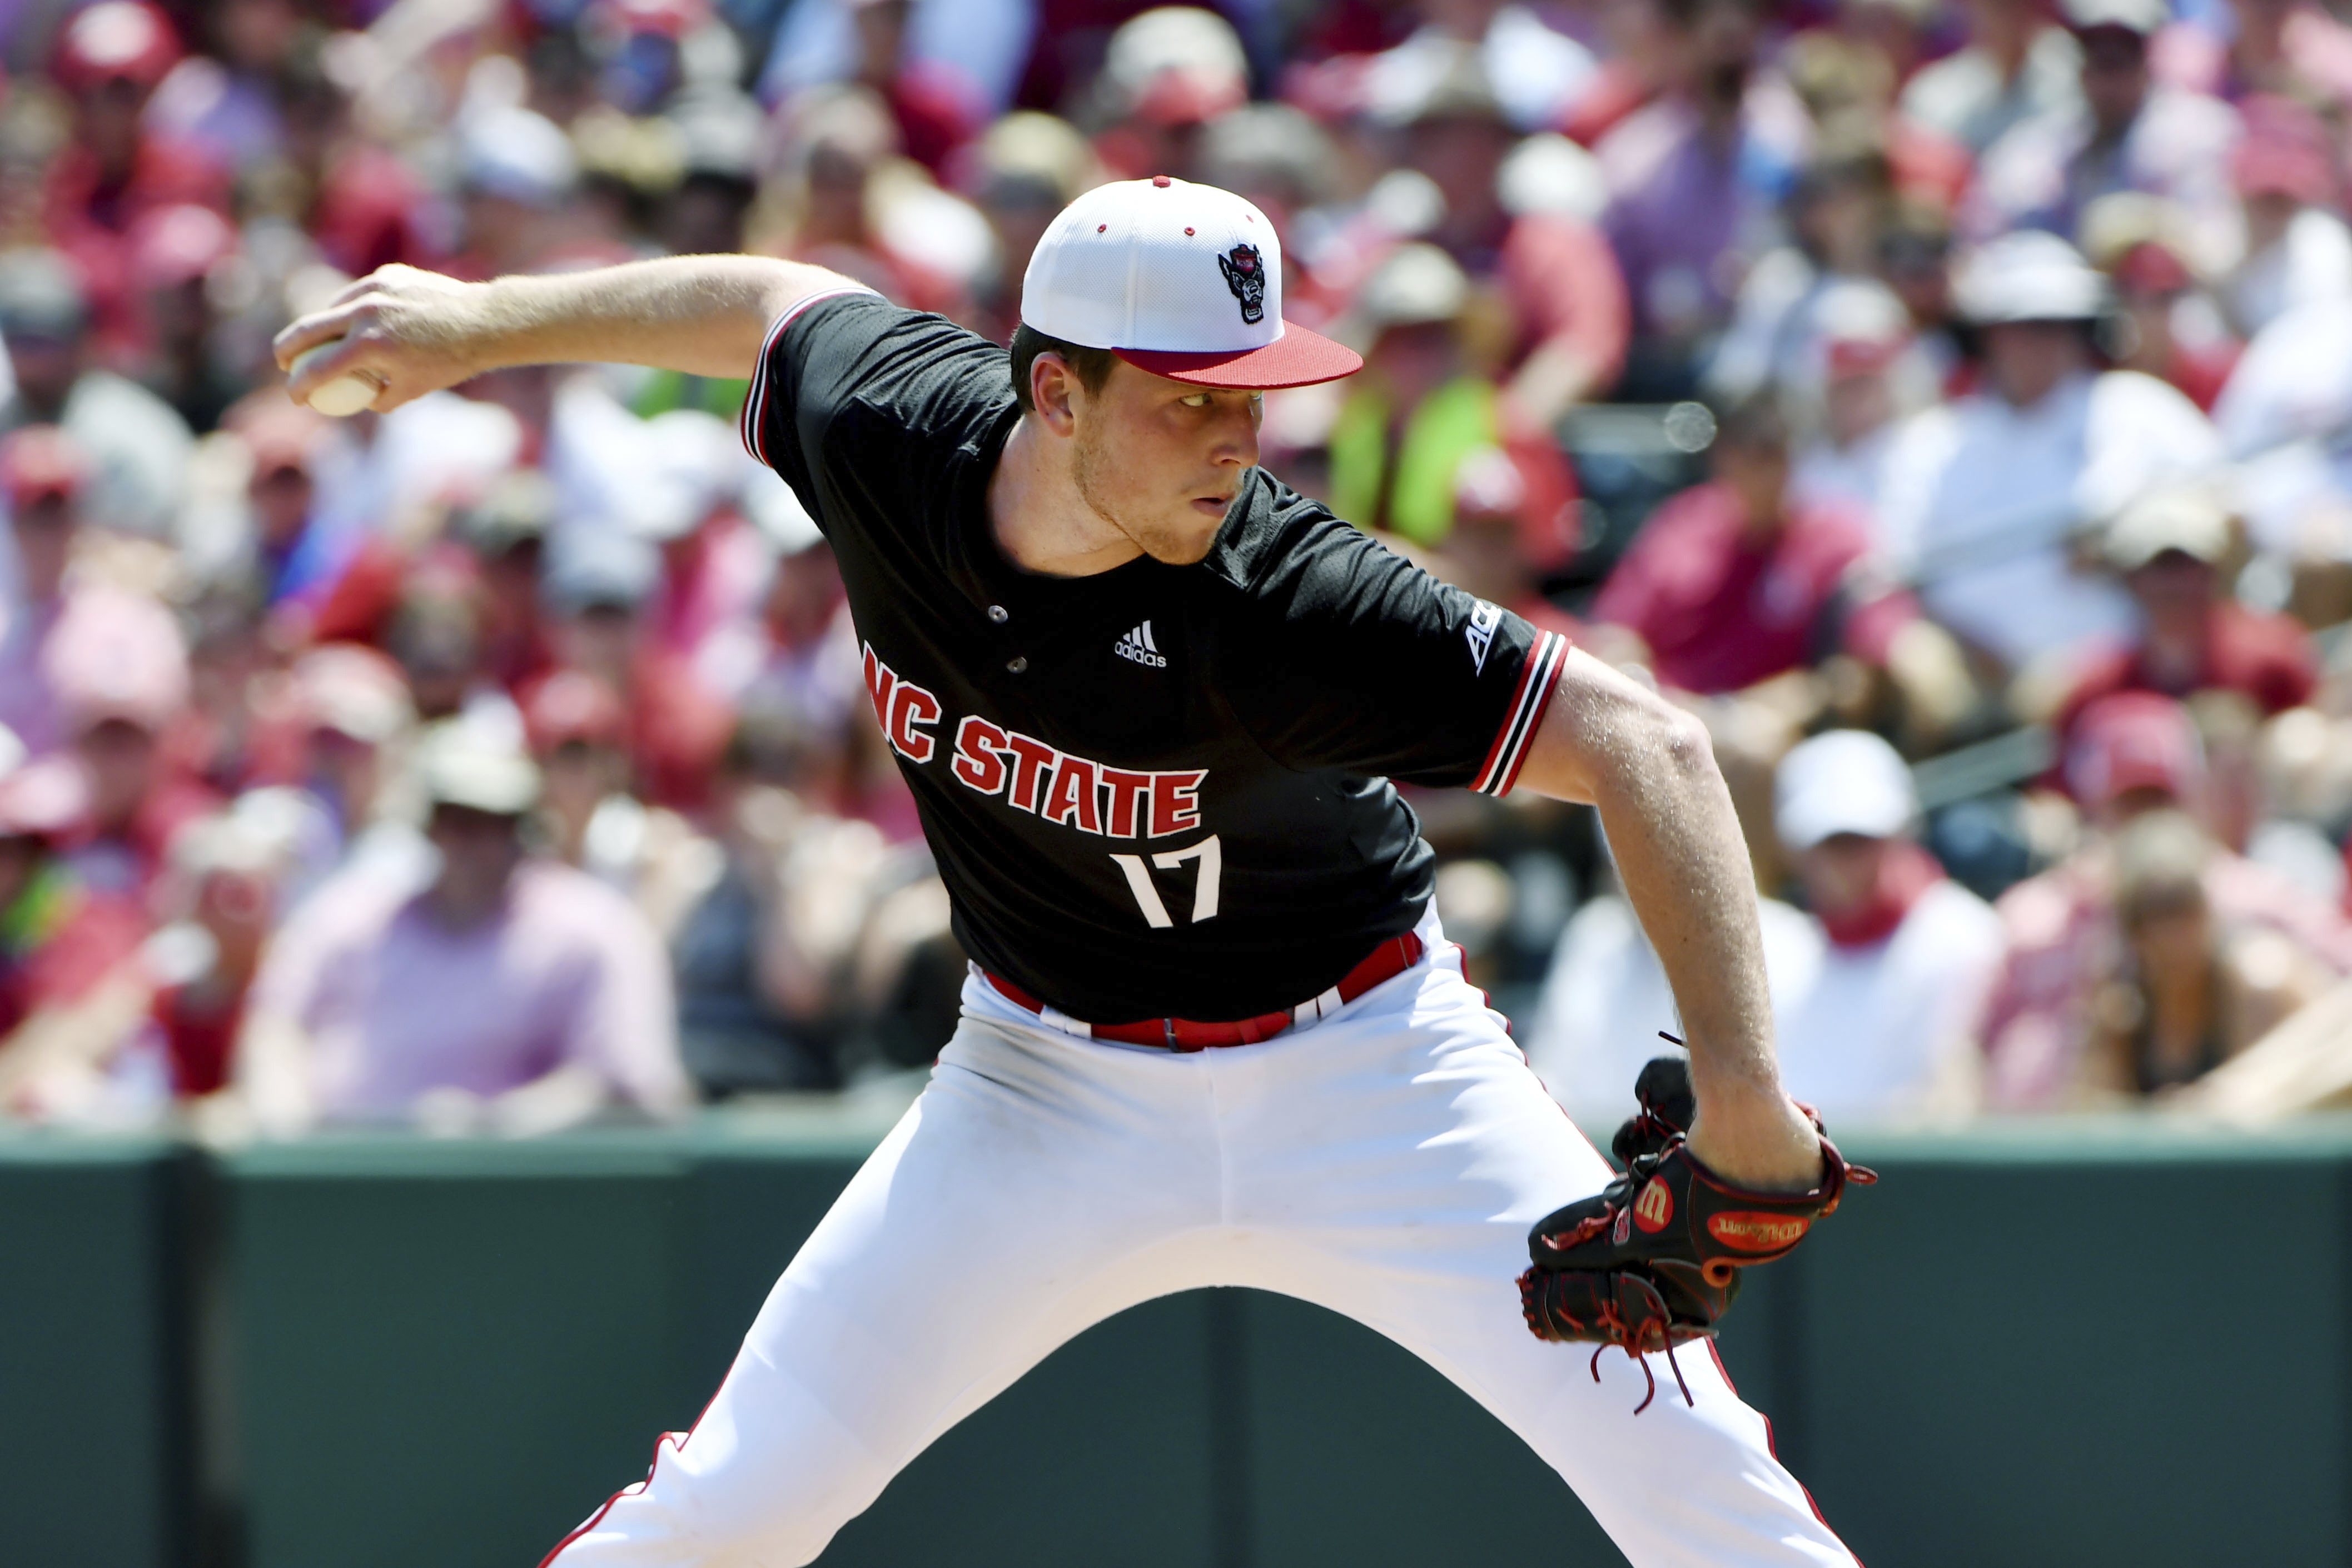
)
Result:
{"points": [[394, 1004], [1721, 611]]}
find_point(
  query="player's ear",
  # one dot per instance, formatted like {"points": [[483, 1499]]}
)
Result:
{"points": [[1053, 385]]}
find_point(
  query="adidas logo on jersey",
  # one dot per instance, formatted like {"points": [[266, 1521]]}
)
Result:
{"points": [[1138, 646]]}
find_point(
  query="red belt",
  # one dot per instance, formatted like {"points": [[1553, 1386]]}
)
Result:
{"points": [[1385, 962]]}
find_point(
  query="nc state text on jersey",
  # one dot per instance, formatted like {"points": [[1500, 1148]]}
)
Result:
{"points": [[1071, 791]]}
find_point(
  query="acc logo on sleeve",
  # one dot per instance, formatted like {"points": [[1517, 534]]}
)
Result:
{"points": [[1484, 619]]}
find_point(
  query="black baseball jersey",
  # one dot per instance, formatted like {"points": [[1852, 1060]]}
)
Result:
{"points": [[1158, 790]]}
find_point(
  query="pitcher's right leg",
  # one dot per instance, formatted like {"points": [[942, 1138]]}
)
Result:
{"points": [[1040, 1184]]}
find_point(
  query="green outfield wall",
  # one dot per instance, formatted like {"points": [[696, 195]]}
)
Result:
{"points": [[2058, 1344]]}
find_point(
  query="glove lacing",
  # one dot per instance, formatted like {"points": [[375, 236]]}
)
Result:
{"points": [[1633, 1337]]}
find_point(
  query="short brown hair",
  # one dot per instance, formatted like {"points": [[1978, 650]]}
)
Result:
{"points": [[1092, 366]]}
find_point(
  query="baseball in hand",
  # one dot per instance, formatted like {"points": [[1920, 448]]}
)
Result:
{"points": [[346, 394]]}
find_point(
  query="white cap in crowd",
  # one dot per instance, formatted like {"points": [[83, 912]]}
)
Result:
{"points": [[2145, 17], [463, 766], [2029, 275], [1180, 279], [1846, 781], [2178, 518]]}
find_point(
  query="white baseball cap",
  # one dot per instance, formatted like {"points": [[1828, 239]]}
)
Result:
{"points": [[2180, 517], [464, 768], [1846, 781], [1180, 279], [2029, 275]]}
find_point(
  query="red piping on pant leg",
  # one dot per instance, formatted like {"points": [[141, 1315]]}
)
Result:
{"points": [[1461, 967], [1772, 1449], [634, 1487]]}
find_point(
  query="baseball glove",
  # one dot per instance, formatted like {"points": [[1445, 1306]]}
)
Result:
{"points": [[1652, 1260]]}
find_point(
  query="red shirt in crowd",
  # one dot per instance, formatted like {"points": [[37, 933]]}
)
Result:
{"points": [[88, 216], [2266, 659], [1721, 608], [66, 942], [1563, 281], [199, 1037]]}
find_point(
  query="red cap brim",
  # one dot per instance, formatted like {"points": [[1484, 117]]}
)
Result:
{"points": [[1298, 358]]}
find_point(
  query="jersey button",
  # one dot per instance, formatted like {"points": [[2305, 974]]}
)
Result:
{"points": [[1017, 663], [998, 613]]}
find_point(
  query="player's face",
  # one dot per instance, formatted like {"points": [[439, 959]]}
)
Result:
{"points": [[1162, 461]]}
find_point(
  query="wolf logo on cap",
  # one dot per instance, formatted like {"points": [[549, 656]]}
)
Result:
{"points": [[1245, 275]]}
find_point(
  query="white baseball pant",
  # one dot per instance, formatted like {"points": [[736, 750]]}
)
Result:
{"points": [[1385, 1162]]}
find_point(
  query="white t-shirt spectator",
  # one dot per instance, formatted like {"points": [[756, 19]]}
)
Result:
{"points": [[1606, 998], [1965, 96], [393, 1004], [1874, 1031], [2046, 172], [2310, 263], [1866, 1033], [1849, 479], [1982, 498], [2284, 415]]}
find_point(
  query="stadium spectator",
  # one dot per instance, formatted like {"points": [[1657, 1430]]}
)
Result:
{"points": [[1568, 324], [518, 173], [1836, 213], [2170, 547], [1508, 536], [2171, 326], [934, 106], [119, 670], [1693, 177], [2188, 991], [44, 475], [2297, 249], [1405, 426], [2125, 133], [1025, 169], [1540, 74], [2289, 48], [1605, 999], [181, 260], [135, 445], [121, 164], [1878, 1028], [836, 197], [69, 963], [295, 558], [1730, 585], [2132, 754], [599, 592], [347, 719], [229, 874], [1868, 375], [579, 733], [1985, 494], [2015, 66], [1166, 74], [566, 1001]]}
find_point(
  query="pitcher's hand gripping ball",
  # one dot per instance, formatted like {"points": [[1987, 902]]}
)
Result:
{"points": [[1652, 1260], [344, 396]]}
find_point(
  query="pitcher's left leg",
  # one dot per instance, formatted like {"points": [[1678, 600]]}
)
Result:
{"points": [[1432, 1148]]}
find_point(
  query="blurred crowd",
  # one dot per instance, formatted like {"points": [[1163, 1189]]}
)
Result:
{"points": [[1949, 400]]}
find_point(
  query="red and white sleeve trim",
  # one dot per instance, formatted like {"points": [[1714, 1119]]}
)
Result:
{"points": [[754, 417], [1538, 676]]}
